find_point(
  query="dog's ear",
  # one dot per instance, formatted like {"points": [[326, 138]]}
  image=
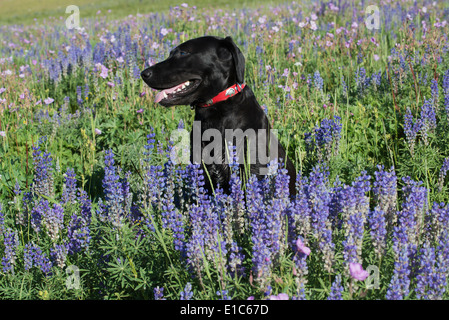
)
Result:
{"points": [[237, 57]]}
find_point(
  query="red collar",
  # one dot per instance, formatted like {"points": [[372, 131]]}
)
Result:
{"points": [[225, 94]]}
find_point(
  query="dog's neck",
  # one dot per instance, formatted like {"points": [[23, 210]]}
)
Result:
{"points": [[223, 95]]}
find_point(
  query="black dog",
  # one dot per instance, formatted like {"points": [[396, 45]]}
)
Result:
{"points": [[207, 73]]}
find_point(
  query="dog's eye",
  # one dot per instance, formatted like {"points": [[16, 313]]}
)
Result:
{"points": [[183, 53]]}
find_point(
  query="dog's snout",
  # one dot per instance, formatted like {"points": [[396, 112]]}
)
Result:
{"points": [[147, 73]]}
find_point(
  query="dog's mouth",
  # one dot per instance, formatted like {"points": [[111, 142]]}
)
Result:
{"points": [[174, 93]]}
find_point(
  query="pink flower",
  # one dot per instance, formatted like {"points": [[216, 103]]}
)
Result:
{"points": [[280, 296], [48, 101], [97, 131], [356, 271], [164, 31], [301, 247], [376, 57], [2, 90], [2, 134], [111, 84], [140, 111], [104, 70]]}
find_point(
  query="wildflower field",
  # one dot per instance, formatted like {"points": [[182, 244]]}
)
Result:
{"points": [[92, 206]]}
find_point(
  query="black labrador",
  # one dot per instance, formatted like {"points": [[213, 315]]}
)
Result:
{"points": [[207, 73]]}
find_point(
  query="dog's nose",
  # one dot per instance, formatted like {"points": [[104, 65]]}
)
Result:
{"points": [[147, 73]]}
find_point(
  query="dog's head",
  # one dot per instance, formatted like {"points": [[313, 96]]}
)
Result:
{"points": [[196, 71]]}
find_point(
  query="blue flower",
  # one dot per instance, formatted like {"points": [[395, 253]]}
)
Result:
{"points": [[378, 231], [411, 129], [59, 254], [399, 285], [10, 242], [336, 289], [69, 187], [158, 293], [385, 194], [318, 81], [43, 177], [259, 220], [187, 293]]}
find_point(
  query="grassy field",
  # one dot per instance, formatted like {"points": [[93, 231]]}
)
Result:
{"points": [[87, 183], [26, 11]]}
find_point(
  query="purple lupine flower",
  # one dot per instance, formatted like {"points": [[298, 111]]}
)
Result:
{"points": [[411, 129], [206, 241], [187, 293], [298, 211], [11, 242], [443, 171], [28, 256], [362, 80], [78, 230], [446, 93], [261, 257], [59, 254], [413, 208], [276, 210], [436, 220], [43, 177], [354, 207], [224, 295], [376, 79], [434, 89], [114, 206], [326, 137], [426, 281], [442, 264], [319, 200], [336, 289], [399, 285], [41, 207], [159, 293], [385, 194], [352, 243], [378, 230], [79, 98], [53, 220], [69, 187], [2, 220], [318, 81], [41, 260]]}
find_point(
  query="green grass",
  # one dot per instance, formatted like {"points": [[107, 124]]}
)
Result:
{"points": [[26, 11]]}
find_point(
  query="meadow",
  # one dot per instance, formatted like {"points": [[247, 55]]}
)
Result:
{"points": [[92, 206]]}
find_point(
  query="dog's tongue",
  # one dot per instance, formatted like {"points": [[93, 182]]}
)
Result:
{"points": [[161, 94]]}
